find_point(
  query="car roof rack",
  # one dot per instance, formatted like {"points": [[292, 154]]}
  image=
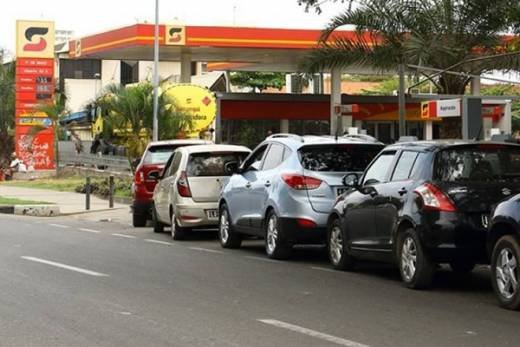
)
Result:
{"points": [[286, 135], [363, 137], [408, 139], [503, 138]]}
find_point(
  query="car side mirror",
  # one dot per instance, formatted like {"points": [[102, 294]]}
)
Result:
{"points": [[254, 167], [369, 190], [154, 175], [351, 180], [231, 167]]}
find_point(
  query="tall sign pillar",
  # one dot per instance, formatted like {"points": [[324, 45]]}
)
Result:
{"points": [[34, 132]]}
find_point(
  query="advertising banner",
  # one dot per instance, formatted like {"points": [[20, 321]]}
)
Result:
{"points": [[197, 102]]}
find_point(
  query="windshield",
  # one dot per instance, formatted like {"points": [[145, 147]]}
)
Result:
{"points": [[338, 158], [482, 163], [212, 164]]}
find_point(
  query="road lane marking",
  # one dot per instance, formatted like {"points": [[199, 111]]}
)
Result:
{"points": [[59, 226], [323, 269], [267, 260], [206, 250], [89, 230], [125, 236], [313, 333], [64, 266], [158, 242]]}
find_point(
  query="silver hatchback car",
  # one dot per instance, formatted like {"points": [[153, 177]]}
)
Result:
{"points": [[187, 194], [286, 188]]}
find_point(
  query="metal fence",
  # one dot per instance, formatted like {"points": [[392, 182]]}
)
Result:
{"points": [[101, 162], [67, 156]]}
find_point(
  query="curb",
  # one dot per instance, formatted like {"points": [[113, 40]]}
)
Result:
{"points": [[91, 211], [6, 209], [37, 210]]}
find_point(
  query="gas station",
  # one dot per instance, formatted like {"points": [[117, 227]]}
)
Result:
{"points": [[282, 50], [275, 50]]}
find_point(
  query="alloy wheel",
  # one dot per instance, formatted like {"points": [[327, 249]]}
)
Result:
{"points": [[336, 245], [409, 258], [272, 234], [224, 227], [506, 273]]}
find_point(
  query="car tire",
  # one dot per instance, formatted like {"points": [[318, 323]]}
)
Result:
{"points": [[178, 233], [226, 234], [139, 220], [505, 271], [462, 266], [158, 227], [415, 266], [337, 247], [276, 246]]}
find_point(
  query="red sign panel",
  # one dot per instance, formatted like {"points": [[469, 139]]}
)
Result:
{"points": [[36, 151], [32, 62], [34, 84]]}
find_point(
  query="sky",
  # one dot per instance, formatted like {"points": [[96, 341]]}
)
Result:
{"points": [[93, 16]]}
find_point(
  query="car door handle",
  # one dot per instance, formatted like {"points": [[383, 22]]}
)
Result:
{"points": [[402, 191], [248, 185], [267, 184]]}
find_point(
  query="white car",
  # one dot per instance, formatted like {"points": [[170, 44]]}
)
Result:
{"points": [[188, 191]]}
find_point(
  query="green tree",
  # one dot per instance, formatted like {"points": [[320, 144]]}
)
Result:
{"points": [[6, 111], [258, 81]]}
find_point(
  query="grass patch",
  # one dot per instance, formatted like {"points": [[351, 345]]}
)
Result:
{"points": [[76, 184], [68, 184], [14, 201]]}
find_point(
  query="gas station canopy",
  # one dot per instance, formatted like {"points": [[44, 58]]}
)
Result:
{"points": [[228, 48]]}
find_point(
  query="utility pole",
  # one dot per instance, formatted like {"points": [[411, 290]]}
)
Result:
{"points": [[155, 129], [402, 102]]}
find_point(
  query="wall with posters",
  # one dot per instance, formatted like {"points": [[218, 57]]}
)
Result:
{"points": [[34, 85]]}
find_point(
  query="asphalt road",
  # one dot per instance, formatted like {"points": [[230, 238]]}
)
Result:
{"points": [[81, 282]]}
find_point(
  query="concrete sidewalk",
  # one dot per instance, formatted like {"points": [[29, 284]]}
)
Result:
{"points": [[69, 203]]}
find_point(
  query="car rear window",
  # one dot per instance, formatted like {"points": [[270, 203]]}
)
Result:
{"points": [[338, 158], [212, 163], [481, 163], [157, 155]]}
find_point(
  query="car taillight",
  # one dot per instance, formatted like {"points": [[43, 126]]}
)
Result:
{"points": [[182, 185], [139, 176], [306, 223], [300, 182], [434, 199]]}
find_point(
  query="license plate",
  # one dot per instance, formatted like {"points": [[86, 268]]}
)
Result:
{"points": [[341, 191], [213, 214]]}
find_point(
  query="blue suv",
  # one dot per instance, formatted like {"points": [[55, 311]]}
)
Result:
{"points": [[286, 188]]}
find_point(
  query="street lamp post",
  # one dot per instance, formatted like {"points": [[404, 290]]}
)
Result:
{"points": [[156, 75]]}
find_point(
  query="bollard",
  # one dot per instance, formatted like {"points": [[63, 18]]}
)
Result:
{"points": [[87, 194], [111, 192]]}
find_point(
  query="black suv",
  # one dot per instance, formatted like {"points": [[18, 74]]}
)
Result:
{"points": [[423, 203], [504, 249]]}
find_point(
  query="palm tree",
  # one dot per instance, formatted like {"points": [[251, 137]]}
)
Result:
{"points": [[128, 110], [431, 33]]}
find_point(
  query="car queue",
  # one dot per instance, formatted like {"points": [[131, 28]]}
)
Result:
{"points": [[415, 204]]}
